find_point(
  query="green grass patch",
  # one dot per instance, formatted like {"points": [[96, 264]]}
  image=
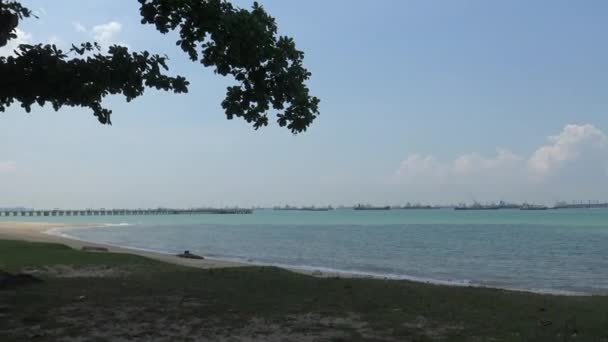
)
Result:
{"points": [[14, 255], [155, 299]]}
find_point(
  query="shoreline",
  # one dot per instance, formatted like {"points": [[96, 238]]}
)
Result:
{"points": [[39, 232], [52, 233], [208, 262]]}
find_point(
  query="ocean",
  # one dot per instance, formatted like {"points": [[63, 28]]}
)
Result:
{"points": [[553, 251]]}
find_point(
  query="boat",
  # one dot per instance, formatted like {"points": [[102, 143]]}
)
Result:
{"points": [[369, 207], [287, 207], [315, 208], [328, 208], [477, 206], [407, 207], [526, 206], [482, 207]]}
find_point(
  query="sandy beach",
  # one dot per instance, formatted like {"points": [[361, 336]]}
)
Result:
{"points": [[36, 232]]}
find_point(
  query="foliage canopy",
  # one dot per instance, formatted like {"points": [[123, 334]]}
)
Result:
{"points": [[244, 44]]}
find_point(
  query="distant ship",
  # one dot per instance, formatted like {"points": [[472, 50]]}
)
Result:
{"points": [[526, 206], [284, 208], [316, 209], [493, 206], [477, 207], [416, 207], [369, 207], [328, 208]]}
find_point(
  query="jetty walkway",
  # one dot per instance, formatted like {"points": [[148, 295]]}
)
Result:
{"points": [[121, 212]]}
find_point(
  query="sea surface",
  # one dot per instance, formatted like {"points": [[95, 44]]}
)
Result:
{"points": [[554, 251]]}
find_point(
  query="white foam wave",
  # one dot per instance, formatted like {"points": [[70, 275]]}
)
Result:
{"points": [[378, 275], [327, 271]]}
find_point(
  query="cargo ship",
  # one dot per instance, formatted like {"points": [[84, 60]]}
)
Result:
{"points": [[492, 206], [369, 207], [287, 207], [527, 206]]}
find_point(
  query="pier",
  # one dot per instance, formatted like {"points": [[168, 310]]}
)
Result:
{"points": [[119, 212]]}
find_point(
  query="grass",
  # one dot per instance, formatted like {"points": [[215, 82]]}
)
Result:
{"points": [[154, 300]]}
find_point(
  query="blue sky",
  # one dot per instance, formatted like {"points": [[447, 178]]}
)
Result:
{"points": [[431, 101]]}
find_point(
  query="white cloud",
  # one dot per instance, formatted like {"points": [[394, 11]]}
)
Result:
{"points": [[105, 34], [468, 175], [8, 166], [567, 146], [55, 39], [416, 165], [22, 38], [576, 160], [26, 38], [474, 163], [79, 27]]}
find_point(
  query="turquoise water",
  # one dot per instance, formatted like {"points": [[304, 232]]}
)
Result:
{"points": [[561, 251]]}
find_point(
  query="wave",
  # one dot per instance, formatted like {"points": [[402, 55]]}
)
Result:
{"points": [[61, 231], [329, 272], [122, 224], [391, 276], [375, 275]]}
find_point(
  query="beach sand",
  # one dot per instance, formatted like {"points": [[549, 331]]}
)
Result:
{"points": [[36, 232]]}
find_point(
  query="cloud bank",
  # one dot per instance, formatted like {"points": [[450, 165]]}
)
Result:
{"points": [[571, 165], [571, 144]]}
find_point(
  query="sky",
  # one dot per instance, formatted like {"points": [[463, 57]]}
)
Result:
{"points": [[421, 101]]}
